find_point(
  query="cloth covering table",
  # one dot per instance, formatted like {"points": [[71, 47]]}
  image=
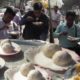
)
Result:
{"points": [[18, 59]]}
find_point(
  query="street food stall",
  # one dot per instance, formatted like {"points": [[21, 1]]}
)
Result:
{"points": [[37, 59], [30, 51]]}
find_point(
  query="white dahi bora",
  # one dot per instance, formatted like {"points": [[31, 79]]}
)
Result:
{"points": [[7, 47], [25, 68], [50, 49], [51, 56], [62, 59], [35, 75], [23, 71]]}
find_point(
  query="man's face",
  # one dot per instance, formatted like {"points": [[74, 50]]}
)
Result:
{"points": [[56, 9], [37, 13], [70, 20], [8, 17]]}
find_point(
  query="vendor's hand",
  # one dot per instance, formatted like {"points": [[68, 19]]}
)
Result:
{"points": [[63, 33]]}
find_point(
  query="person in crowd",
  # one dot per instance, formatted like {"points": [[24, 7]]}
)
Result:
{"points": [[77, 19], [18, 16], [69, 33], [5, 21], [56, 17], [36, 23]]}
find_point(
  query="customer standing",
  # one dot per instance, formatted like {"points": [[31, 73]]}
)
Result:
{"points": [[5, 21], [56, 16], [69, 28], [36, 23]]}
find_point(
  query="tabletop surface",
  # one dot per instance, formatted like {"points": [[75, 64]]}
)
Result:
{"points": [[16, 60]]}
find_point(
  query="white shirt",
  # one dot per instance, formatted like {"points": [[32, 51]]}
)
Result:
{"points": [[3, 32], [56, 17], [17, 17]]}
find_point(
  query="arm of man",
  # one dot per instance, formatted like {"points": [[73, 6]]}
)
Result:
{"points": [[60, 31], [26, 18], [44, 34], [57, 31], [76, 37]]}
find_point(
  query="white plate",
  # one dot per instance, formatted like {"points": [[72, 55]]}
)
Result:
{"points": [[72, 38], [2, 62], [37, 23], [17, 49], [14, 74], [14, 32]]}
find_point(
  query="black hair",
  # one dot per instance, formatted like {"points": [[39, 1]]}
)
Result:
{"points": [[72, 14], [11, 11], [37, 6], [56, 6]]}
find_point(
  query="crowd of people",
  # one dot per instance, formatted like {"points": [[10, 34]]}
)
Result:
{"points": [[37, 21]]}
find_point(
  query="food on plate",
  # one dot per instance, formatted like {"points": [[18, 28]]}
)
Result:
{"points": [[25, 68], [62, 58], [35, 75], [6, 45], [50, 49]]}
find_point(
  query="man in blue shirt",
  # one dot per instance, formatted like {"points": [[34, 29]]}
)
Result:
{"points": [[67, 29]]}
